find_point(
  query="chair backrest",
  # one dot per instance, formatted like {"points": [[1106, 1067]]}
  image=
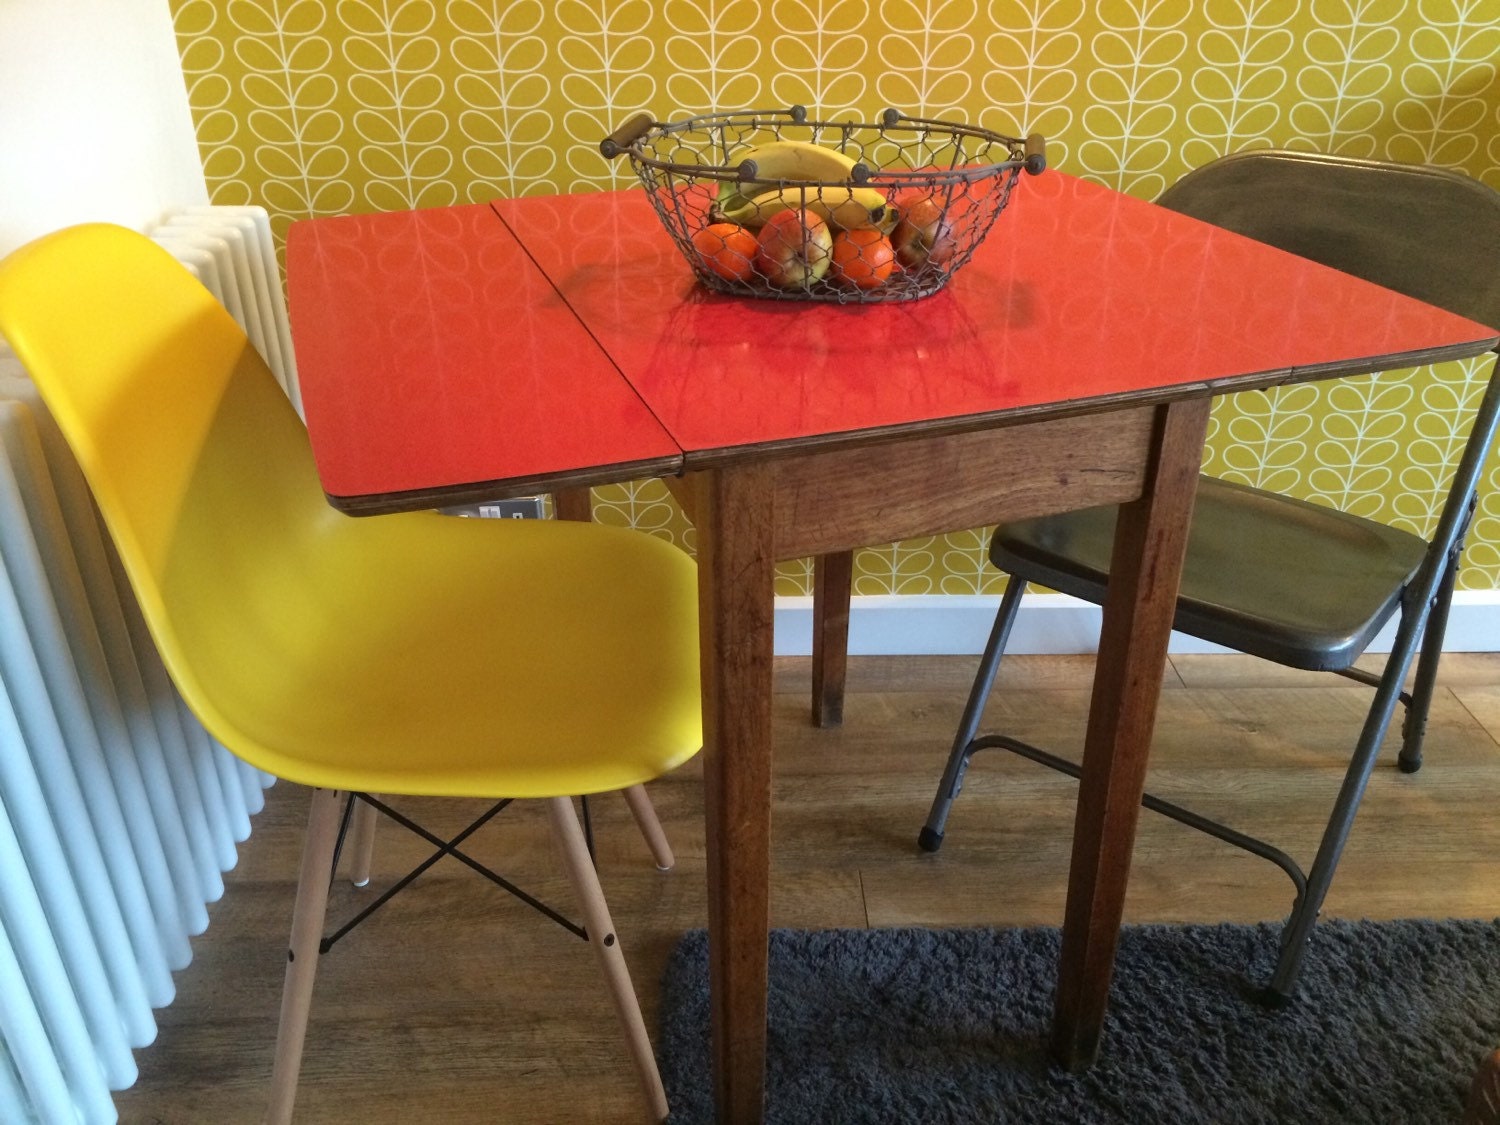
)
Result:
{"points": [[197, 460], [1425, 232]]}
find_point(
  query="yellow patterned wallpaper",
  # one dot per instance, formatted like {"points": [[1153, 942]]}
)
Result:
{"points": [[315, 107]]}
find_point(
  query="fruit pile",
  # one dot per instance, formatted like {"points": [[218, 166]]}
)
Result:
{"points": [[801, 225], [883, 210]]}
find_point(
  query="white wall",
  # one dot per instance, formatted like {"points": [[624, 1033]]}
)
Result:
{"points": [[94, 120]]}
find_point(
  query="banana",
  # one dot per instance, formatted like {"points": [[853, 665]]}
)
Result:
{"points": [[800, 161], [783, 162], [841, 207], [794, 164]]}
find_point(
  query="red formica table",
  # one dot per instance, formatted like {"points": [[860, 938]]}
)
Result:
{"points": [[552, 343]]}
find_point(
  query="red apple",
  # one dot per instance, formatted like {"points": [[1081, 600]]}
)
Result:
{"points": [[795, 249], [923, 233]]}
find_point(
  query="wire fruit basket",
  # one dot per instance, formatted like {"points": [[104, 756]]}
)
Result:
{"points": [[766, 203]]}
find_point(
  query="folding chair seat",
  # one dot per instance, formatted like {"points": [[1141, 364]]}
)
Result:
{"points": [[1300, 584]]}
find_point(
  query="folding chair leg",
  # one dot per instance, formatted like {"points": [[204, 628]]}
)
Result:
{"points": [[601, 932], [362, 842], [1414, 728], [1299, 925], [930, 839], [645, 819], [302, 955]]}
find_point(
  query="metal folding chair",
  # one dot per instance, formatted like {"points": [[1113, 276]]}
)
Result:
{"points": [[1296, 583]]}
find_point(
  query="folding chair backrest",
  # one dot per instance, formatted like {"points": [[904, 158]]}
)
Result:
{"points": [[1430, 234], [1422, 231]]}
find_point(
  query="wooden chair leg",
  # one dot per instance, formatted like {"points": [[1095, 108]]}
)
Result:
{"points": [[645, 819], [302, 955], [362, 842], [601, 930]]}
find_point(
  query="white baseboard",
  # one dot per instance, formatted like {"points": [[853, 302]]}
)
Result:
{"points": [[938, 624]]}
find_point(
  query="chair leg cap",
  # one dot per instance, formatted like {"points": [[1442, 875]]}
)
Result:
{"points": [[1270, 998], [928, 840], [1408, 767]]}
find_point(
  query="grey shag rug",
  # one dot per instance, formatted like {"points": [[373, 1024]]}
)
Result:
{"points": [[948, 1026]]}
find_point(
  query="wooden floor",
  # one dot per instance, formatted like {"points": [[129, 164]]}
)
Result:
{"points": [[455, 1004]]}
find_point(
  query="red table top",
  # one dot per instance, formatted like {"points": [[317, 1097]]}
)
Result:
{"points": [[433, 354], [429, 352]]}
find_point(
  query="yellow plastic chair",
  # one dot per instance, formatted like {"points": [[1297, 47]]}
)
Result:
{"points": [[414, 654]]}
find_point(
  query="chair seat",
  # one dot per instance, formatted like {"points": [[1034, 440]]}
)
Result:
{"points": [[427, 654], [1304, 585]]}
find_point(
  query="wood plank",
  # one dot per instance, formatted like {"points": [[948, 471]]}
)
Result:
{"points": [[1473, 675], [877, 675], [1482, 701], [506, 488], [837, 501], [1215, 669]]}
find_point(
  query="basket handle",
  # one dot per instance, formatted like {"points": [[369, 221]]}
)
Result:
{"points": [[626, 135], [1036, 153]]}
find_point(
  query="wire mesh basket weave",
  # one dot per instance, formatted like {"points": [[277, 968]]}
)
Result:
{"points": [[766, 203]]}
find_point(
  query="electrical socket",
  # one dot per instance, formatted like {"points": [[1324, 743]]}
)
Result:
{"points": [[520, 508]]}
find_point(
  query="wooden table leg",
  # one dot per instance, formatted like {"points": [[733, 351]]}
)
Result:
{"points": [[732, 509], [833, 576], [1150, 540], [573, 504]]}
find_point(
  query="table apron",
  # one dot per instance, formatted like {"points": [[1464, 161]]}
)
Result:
{"points": [[849, 498]]}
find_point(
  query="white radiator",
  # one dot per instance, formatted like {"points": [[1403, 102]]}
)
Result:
{"points": [[118, 813], [230, 250]]}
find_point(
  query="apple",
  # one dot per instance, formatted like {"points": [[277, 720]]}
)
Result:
{"points": [[923, 233], [795, 248]]}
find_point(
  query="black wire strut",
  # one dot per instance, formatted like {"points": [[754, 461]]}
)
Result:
{"points": [[444, 847], [338, 842]]}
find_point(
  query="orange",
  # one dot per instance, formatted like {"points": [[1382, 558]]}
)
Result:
{"points": [[863, 257], [727, 249]]}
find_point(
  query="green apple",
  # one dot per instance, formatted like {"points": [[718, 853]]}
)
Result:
{"points": [[795, 248]]}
